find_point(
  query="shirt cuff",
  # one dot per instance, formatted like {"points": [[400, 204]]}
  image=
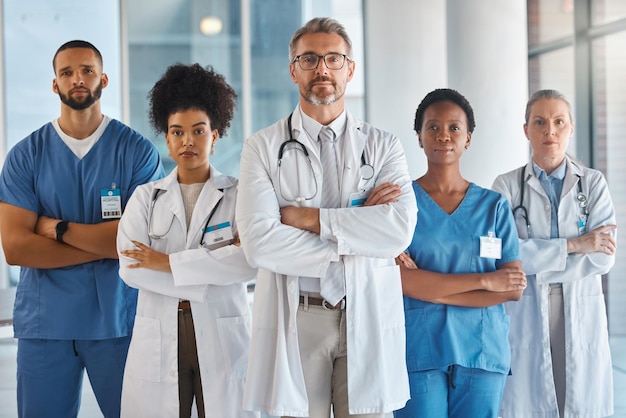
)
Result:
{"points": [[326, 232]]}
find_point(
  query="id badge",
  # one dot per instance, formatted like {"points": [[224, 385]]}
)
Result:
{"points": [[582, 224], [357, 199], [491, 247], [111, 203], [218, 234]]}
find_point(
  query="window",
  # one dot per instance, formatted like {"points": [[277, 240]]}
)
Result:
{"points": [[609, 105], [182, 36]]}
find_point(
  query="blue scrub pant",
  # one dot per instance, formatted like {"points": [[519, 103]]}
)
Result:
{"points": [[50, 375], [455, 392]]}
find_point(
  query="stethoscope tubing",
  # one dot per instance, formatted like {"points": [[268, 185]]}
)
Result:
{"points": [[580, 197], [366, 170], [155, 196]]}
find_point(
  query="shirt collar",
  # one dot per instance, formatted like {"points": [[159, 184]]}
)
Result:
{"points": [[313, 127], [558, 174]]}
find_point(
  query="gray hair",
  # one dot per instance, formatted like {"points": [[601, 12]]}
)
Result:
{"points": [[547, 94], [319, 25]]}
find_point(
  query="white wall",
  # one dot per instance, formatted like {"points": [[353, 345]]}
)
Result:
{"points": [[403, 65], [488, 63], [478, 48]]}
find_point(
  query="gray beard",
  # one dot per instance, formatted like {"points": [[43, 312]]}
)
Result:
{"points": [[316, 101]]}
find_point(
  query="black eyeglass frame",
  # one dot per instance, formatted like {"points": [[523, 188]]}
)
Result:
{"points": [[321, 58]]}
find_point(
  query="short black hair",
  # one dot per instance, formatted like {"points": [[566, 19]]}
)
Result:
{"points": [[76, 44], [185, 87], [444, 95]]}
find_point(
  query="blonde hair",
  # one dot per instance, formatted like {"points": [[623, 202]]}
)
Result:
{"points": [[547, 94]]}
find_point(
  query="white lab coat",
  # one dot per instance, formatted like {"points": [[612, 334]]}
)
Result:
{"points": [[214, 282], [530, 392], [367, 240]]}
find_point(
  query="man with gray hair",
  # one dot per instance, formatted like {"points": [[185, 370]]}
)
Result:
{"points": [[325, 205]]}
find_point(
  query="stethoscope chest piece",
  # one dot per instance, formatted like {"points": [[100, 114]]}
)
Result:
{"points": [[367, 171], [582, 200]]}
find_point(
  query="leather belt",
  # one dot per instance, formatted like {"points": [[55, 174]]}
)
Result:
{"points": [[322, 302], [184, 305]]}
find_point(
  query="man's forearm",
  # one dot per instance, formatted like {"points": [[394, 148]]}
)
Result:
{"points": [[35, 251], [97, 239]]}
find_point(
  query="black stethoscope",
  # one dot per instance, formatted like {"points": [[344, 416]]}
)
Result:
{"points": [[580, 197], [155, 196], [367, 171]]}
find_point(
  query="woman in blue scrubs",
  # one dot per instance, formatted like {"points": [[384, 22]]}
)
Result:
{"points": [[462, 264]]}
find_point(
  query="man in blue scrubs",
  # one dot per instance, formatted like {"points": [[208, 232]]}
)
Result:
{"points": [[62, 191]]}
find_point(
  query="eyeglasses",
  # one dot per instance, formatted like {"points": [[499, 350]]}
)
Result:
{"points": [[333, 61]]}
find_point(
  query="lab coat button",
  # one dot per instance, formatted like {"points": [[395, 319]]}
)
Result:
{"points": [[547, 208]]}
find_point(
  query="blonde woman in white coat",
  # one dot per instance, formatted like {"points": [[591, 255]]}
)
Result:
{"points": [[561, 362], [178, 245]]}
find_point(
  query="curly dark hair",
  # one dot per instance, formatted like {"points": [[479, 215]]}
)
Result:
{"points": [[444, 95], [185, 87]]}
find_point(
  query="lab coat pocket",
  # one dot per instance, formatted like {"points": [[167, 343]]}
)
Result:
{"points": [[525, 317], [592, 322], [387, 289], [144, 354], [234, 333]]}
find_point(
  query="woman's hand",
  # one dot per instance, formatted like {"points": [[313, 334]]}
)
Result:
{"points": [[148, 258], [597, 241], [505, 279], [405, 260]]}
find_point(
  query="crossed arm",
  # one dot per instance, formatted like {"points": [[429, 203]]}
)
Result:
{"points": [[308, 219], [30, 240], [471, 290]]}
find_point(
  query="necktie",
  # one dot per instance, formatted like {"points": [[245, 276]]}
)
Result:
{"points": [[330, 185], [332, 285]]}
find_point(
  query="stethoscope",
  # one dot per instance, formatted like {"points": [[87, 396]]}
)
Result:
{"points": [[155, 196], [367, 171], [580, 197]]}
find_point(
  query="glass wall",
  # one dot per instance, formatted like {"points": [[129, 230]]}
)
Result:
{"points": [[549, 20], [609, 108], [213, 33]]}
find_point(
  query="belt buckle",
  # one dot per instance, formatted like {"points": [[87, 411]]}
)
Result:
{"points": [[338, 307]]}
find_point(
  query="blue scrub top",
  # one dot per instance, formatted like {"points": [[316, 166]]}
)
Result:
{"points": [[41, 174], [440, 335]]}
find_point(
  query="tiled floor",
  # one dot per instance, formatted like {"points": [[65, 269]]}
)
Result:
{"points": [[89, 407]]}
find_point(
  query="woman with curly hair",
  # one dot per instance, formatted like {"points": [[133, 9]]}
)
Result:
{"points": [[178, 244]]}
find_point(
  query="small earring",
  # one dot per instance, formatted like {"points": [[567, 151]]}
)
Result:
{"points": [[213, 149], [467, 147]]}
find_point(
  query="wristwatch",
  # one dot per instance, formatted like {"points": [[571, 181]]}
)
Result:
{"points": [[61, 229]]}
